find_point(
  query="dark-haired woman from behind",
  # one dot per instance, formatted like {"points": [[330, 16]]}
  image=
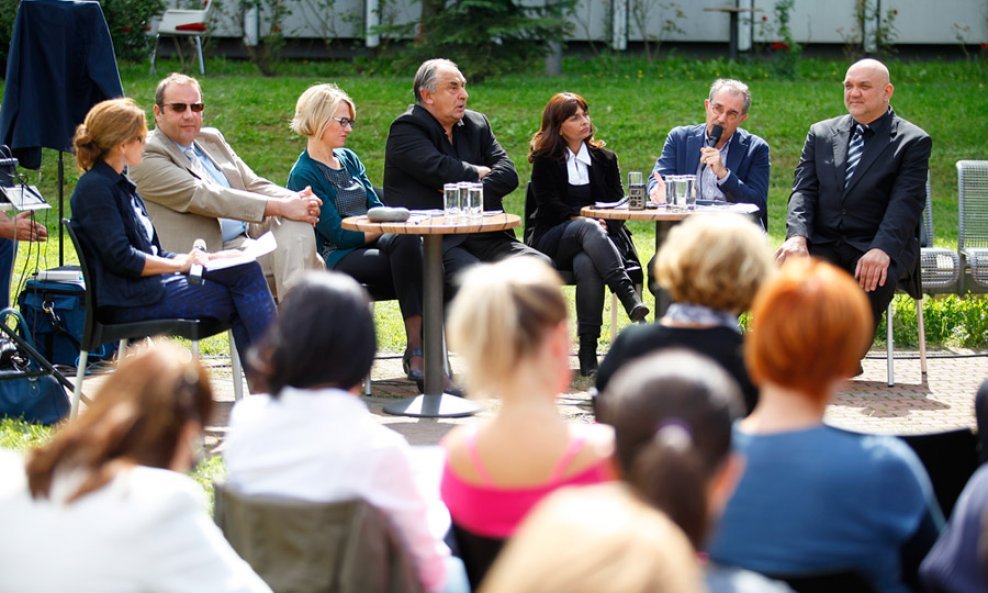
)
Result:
{"points": [[572, 169], [104, 507], [312, 438], [136, 279], [672, 414]]}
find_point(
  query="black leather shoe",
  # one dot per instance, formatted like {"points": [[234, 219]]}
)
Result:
{"points": [[639, 314], [450, 388], [406, 365]]}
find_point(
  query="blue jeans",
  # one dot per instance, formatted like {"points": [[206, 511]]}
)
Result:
{"points": [[239, 296]]}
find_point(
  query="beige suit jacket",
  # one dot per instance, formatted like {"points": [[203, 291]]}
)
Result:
{"points": [[183, 206]]}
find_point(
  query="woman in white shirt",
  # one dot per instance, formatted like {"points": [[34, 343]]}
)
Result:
{"points": [[103, 508], [572, 169], [312, 438]]}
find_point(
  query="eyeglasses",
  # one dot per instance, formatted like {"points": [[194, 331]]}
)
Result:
{"points": [[345, 122], [181, 107]]}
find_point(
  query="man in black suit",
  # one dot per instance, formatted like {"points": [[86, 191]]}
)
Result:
{"points": [[437, 141], [859, 188]]}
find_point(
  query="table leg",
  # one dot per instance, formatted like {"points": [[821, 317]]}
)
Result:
{"points": [[662, 298], [433, 403]]}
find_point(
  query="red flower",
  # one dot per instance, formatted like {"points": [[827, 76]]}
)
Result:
{"points": [[780, 46], [764, 18], [984, 45]]}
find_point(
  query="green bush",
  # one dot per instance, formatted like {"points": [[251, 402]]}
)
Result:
{"points": [[129, 21]]}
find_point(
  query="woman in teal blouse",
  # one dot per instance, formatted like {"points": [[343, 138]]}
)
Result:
{"points": [[385, 263]]}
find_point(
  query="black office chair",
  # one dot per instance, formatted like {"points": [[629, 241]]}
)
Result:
{"points": [[950, 458], [97, 332]]}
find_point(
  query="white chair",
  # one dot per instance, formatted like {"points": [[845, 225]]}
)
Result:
{"points": [[178, 22], [939, 271], [972, 236]]}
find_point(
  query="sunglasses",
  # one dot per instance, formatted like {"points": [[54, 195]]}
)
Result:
{"points": [[181, 107]]}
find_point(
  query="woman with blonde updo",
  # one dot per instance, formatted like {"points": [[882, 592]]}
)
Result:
{"points": [[386, 263], [712, 266], [508, 322], [104, 506], [136, 279]]}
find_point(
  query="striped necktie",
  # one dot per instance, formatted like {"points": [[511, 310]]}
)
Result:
{"points": [[854, 152]]}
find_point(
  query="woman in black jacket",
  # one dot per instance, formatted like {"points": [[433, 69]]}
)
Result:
{"points": [[572, 169]]}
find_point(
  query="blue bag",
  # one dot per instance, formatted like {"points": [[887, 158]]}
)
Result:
{"points": [[26, 391], [56, 315]]}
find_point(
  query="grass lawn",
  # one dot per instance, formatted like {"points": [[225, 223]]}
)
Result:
{"points": [[633, 103]]}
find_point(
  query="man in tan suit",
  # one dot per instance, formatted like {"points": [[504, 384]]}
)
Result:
{"points": [[196, 187]]}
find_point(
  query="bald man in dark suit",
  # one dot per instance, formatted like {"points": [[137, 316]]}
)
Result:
{"points": [[857, 201]]}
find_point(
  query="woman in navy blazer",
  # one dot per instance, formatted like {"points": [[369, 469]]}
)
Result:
{"points": [[572, 169], [136, 279]]}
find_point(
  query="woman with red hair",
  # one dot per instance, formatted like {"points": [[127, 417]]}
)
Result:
{"points": [[814, 499]]}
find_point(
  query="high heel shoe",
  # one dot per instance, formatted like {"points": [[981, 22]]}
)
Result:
{"points": [[632, 302], [417, 375], [587, 356]]}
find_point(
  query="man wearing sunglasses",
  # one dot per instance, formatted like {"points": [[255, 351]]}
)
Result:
{"points": [[196, 187]]}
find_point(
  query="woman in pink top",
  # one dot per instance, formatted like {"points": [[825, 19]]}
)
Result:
{"points": [[509, 324]]}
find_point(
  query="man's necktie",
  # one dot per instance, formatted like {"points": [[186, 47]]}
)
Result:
{"points": [[854, 152]]}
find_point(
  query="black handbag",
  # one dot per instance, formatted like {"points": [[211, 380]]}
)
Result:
{"points": [[26, 391]]}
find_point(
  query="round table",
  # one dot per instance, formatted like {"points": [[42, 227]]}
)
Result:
{"points": [[432, 225], [665, 218]]}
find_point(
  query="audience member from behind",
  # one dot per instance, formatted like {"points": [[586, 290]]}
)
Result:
{"points": [[815, 499], [389, 262], [508, 323], [672, 414], [596, 539], [712, 266], [312, 438], [104, 507], [953, 566], [136, 278], [572, 169]]}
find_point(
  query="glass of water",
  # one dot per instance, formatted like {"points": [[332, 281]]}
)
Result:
{"points": [[476, 201], [464, 199], [689, 192], [451, 201]]}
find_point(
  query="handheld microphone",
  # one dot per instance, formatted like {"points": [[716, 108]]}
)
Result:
{"points": [[715, 133], [195, 270]]}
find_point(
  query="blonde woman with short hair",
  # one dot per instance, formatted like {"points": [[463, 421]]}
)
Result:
{"points": [[712, 265], [388, 264], [508, 323]]}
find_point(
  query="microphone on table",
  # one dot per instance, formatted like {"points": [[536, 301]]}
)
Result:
{"points": [[195, 270]]}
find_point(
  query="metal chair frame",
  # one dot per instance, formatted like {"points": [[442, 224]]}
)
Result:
{"points": [[178, 22], [972, 235], [96, 332]]}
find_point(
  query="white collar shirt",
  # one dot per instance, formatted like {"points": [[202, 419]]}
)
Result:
{"points": [[578, 166]]}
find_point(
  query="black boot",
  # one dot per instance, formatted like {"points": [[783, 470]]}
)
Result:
{"points": [[632, 301], [587, 355]]}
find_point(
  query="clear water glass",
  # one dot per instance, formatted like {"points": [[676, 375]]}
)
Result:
{"points": [[689, 201], [464, 199], [476, 201], [451, 201]]}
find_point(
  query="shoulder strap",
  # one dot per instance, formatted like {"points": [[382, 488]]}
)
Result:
{"points": [[471, 442], [574, 447]]}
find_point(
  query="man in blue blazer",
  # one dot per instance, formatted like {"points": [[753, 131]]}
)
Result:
{"points": [[735, 169], [862, 213]]}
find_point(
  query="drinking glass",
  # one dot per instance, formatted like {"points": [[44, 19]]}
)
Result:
{"points": [[476, 201], [451, 201], [464, 199], [689, 201]]}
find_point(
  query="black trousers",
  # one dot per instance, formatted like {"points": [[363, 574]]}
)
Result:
{"points": [[390, 265], [846, 257], [462, 251], [584, 246]]}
